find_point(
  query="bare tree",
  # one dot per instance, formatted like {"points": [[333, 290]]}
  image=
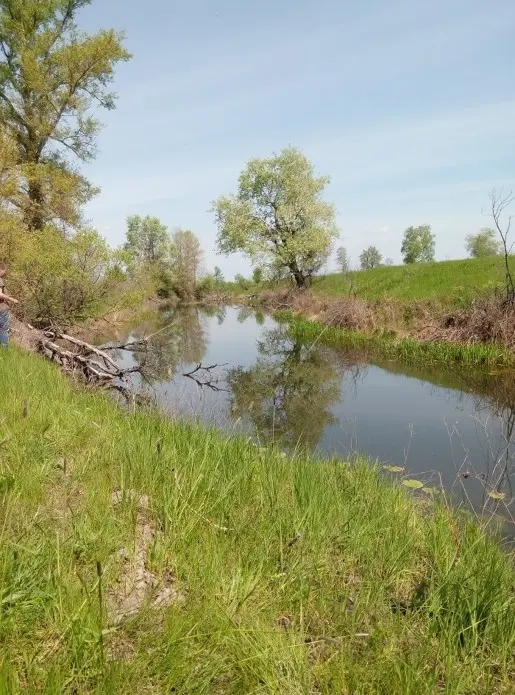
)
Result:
{"points": [[499, 202]]}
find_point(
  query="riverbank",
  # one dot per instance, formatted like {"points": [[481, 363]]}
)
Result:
{"points": [[150, 554], [483, 334]]}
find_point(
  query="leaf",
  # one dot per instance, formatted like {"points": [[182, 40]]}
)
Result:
{"points": [[497, 495], [394, 469], [413, 484], [431, 490]]}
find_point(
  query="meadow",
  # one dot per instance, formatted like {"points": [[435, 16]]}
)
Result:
{"points": [[145, 554], [455, 282]]}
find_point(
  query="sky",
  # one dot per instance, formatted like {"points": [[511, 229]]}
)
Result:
{"points": [[408, 106]]}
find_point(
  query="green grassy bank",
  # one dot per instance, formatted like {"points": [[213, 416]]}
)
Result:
{"points": [[452, 282], [407, 350], [275, 575]]}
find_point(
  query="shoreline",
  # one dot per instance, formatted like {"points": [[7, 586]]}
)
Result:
{"points": [[417, 332]]}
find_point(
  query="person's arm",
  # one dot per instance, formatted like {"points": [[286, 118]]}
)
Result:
{"points": [[7, 298]]}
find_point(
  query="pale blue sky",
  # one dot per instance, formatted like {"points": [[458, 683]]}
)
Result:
{"points": [[408, 106]]}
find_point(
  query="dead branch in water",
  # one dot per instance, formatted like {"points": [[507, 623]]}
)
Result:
{"points": [[91, 364], [203, 376]]}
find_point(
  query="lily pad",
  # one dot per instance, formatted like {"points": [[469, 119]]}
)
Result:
{"points": [[413, 484], [431, 490], [394, 469], [497, 495]]}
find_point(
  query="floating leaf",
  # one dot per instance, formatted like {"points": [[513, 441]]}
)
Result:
{"points": [[413, 484], [431, 490], [497, 495], [394, 469]]}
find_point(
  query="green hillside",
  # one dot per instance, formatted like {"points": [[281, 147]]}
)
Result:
{"points": [[457, 281]]}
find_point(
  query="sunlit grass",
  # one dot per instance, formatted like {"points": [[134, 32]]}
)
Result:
{"points": [[453, 282], [297, 576]]}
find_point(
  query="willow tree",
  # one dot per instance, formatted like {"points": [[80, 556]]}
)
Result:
{"points": [[278, 217], [52, 75]]}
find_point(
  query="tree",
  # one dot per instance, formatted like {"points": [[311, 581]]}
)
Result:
{"points": [[147, 238], [418, 245], [342, 259], [257, 276], [370, 258], [51, 77], [185, 258], [483, 244], [278, 217], [499, 202], [218, 275]]}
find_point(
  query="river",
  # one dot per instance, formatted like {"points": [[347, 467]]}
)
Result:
{"points": [[443, 427]]}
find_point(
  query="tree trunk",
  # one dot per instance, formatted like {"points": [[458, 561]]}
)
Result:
{"points": [[302, 281]]}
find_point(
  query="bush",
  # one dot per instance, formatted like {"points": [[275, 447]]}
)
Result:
{"points": [[60, 279]]}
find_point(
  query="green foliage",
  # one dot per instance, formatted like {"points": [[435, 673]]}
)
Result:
{"points": [[147, 239], [257, 276], [208, 284], [483, 244], [185, 259], [65, 279], [218, 275], [241, 281], [288, 574], [278, 217], [370, 257], [418, 245], [342, 258], [52, 76]]}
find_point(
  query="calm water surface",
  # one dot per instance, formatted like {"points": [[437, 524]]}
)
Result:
{"points": [[440, 425]]}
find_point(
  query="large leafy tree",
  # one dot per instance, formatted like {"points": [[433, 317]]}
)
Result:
{"points": [[418, 245], [278, 217], [147, 239], [185, 257], [51, 77], [484, 243], [370, 257]]}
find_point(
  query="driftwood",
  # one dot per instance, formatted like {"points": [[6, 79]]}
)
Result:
{"points": [[95, 366], [91, 364]]}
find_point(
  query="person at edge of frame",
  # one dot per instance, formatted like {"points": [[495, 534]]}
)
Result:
{"points": [[5, 304]]}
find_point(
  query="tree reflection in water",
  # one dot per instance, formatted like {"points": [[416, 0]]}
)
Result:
{"points": [[176, 338], [286, 396]]}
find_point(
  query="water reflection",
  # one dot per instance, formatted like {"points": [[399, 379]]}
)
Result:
{"points": [[287, 394], [447, 424], [173, 339]]}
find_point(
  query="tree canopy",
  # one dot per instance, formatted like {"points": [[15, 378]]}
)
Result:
{"points": [[278, 217], [51, 76], [418, 245], [370, 257], [484, 243], [185, 258], [147, 238]]}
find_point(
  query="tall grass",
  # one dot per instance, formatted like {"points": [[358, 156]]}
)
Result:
{"points": [[405, 349], [296, 576]]}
